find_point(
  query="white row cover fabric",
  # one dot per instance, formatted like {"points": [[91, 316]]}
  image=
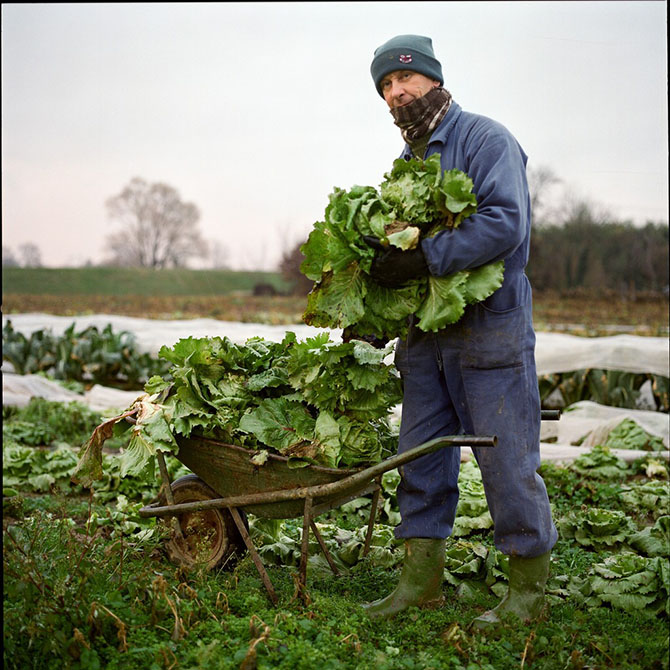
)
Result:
{"points": [[589, 423], [17, 390], [584, 418], [554, 352]]}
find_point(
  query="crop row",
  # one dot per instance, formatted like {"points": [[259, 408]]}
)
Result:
{"points": [[93, 356]]}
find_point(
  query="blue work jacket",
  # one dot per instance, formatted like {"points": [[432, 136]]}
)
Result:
{"points": [[500, 229]]}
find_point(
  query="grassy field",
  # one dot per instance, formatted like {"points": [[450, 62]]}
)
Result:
{"points": [[225, 295], [88, 585], [104, 281]]}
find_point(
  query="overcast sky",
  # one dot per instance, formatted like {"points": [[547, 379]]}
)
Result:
{"points": [[256, 111]]}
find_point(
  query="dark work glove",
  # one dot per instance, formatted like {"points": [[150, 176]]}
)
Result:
{"points": [[377, 343], [392, 267]]}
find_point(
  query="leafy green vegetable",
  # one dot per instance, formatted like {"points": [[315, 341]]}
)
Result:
{"points": [[472, 512], [464, 561], [653, 540], [614, 388], [596, 527], [314, 401], [629, 435], [628, 582], [650, 497], [43, 422], [600, 463], [416, 200], [88, 355]]}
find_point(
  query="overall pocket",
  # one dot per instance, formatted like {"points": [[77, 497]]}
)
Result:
{"points": [[496, 339]]}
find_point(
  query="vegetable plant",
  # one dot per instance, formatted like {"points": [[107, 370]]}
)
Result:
{"points": [[314, 401], [415, 201]]}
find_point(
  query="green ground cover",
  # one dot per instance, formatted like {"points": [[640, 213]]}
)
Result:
{"points": [[132, 281], [87, 583]]}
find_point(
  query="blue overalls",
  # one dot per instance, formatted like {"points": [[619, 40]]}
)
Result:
{"points": [[478, 376]]}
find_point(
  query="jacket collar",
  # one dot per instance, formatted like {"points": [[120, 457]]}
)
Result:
{"points": [[441, 133]]}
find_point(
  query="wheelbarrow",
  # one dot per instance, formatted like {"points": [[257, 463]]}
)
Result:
{"points": [[208, 508]]}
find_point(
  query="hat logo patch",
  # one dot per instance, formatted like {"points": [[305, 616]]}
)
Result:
{"points": [[405, 58]]}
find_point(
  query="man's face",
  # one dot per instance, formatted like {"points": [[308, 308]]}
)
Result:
{"points": [[404, 86]]}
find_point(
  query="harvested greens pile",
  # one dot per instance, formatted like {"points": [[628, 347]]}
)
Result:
{"points": [[416, 200], [314, 401]]}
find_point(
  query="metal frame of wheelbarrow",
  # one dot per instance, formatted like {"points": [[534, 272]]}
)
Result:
{"points": [[317, 499]]}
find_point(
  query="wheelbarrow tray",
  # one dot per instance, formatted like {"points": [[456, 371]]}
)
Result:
{"points": [[230, 471], [276, 490]]}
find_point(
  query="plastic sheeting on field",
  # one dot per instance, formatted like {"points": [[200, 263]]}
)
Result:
{"points": [[589, 423], [554, 352], [585, 421], [17, 390]]}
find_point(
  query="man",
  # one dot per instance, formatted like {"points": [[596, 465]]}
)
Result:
{"points": [[476, 376]]}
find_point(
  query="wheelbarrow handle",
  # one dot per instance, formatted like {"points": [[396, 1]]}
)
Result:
{"points": [[426, 448]]}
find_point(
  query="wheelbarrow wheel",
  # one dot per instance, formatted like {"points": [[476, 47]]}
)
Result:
{"points": [[210, 537]]}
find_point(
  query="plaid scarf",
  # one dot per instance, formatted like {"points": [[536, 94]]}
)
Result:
{"points": [[422, 115]]}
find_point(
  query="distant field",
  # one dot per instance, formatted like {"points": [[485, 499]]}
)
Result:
{"points": [[96, 281], [224, 295]]}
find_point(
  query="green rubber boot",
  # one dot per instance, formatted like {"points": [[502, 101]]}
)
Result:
{"points": [[420, 582], [524, 599]]}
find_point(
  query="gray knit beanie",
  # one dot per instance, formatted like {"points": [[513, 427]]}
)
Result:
{"points": [[405, 52]]}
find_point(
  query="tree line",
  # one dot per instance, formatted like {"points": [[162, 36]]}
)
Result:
{"points": [[582, 252], [573, 246], [609, 256]]}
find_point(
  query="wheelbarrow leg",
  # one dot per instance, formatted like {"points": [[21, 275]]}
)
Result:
{"points": [[304, 552], [254, 554], [167, 485], [373, 516], [324, 549]]}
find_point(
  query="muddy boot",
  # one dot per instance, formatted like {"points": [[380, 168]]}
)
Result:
{"points": [[524, 599], [420, 580]]}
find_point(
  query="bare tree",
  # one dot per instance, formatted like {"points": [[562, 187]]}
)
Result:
{"points": [[158, 229], [219, 256], [540, 181], [8, 258], [31, 255], [289, 266]]}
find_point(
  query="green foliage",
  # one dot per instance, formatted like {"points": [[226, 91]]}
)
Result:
{"points": [[416, 200], [419, 193], [279, 544], [87, 583], [113, 601], [91, 356], [472, 511], [600, 463], [653, 540], [569, 489], [649, 497], [38, 470], [114, 281], [44, 422], [465, 561], [629, 435], [599, 528], [314, 401], [582, 252], [627, 581], [606, 387]]}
